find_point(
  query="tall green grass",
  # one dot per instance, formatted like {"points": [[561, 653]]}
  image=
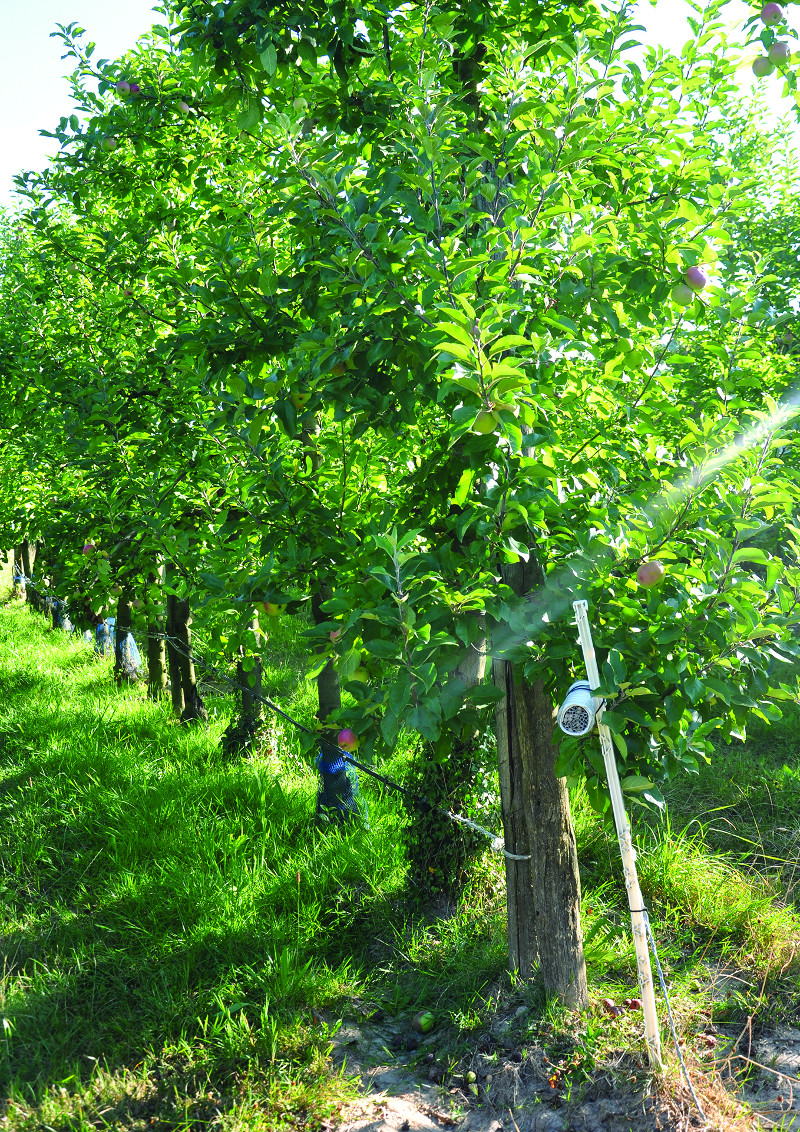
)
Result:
{"points": [[179, 938]]}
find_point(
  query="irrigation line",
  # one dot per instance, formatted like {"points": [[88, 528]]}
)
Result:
{"points": [[421, 803], [496, 843]]}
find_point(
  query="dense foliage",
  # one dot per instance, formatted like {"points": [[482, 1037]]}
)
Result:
{"points": [[351, 307]]}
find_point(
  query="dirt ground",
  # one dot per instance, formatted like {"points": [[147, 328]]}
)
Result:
{"points": [[409, 1087]]}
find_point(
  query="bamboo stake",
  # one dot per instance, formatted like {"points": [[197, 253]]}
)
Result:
{"points": [[635, 901]]}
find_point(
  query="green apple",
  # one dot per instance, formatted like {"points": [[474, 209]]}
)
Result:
{"points": [[272, 609], [423, 1022], [485, 422], [300, 398], [361, 676]]}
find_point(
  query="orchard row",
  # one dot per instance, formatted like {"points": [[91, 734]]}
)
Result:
{"points": [[418, 326]]}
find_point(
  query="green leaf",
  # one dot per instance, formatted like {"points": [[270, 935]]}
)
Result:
{"points": [[269, 59], [464, 486], [384, 649], [483, 694]]}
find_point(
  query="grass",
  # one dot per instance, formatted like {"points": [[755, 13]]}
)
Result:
{"points": [[179, 940]]}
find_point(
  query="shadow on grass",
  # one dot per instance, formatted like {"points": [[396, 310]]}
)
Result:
{"points": [[146, 887]]}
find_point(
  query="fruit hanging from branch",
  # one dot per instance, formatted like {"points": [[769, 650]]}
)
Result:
{"points": [[696, 278], [650, 574], [347, 739], [484, 423], [779, 51], [772, 14], [682, 295], [763, 66]]}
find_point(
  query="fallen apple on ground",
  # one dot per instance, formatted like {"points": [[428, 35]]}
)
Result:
{"points": [[423, 1022]]}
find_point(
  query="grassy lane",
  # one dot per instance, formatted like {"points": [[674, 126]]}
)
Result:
{"points": [[177, 937], [158, 904]]}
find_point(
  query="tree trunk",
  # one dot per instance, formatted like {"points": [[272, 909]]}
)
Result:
{"points": [[156, 650], [238, 737], [194, 710], [28, 556], [544, 894], [252, 707], [176, 688], [329, 693], [18, 586], [124, 671], [522, 952], [554, 854]]}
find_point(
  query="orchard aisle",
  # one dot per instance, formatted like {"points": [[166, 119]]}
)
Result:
{"points": [[177, 944]]}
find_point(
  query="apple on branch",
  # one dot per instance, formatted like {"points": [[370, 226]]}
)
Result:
{"points": [[300, 398], [696, 278], [485, 422], [682, 295], [763, 66], [347, 739], [771, 14], [650, 574]]}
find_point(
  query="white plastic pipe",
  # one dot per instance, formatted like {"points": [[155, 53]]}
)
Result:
{"points": [[635, 902]]}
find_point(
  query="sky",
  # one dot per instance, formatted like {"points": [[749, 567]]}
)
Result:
{"points": [[34, 94]]}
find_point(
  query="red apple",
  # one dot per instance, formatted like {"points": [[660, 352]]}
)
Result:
{"points": [[89, 548], [771, 14], [650, 574], [123, 87], [135, 88], [696, 278], [347, 739], [763, 67], [335, 634], [682, 295], [779, 52]]}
